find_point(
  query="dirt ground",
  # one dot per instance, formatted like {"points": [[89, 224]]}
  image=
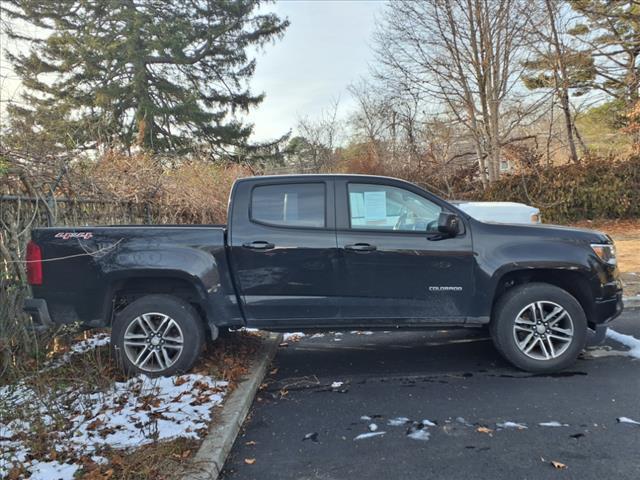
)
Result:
{"points": [[626, 234]]}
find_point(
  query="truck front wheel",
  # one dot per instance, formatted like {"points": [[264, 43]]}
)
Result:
{"points": [[157, 335], [539, 327]]}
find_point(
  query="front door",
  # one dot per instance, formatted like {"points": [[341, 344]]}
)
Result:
{"points": [[395, 266], [284, 252]]}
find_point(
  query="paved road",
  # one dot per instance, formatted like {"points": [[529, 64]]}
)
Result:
{"points": [[456, 380]]}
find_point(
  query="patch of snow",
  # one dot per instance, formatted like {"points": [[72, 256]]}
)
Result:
{"points": [[362, 436], [373, 427], [52, 470], [361, 332], [83, 346], [398, 421], [428, 423], [337, 339], [293, 336], [137, 412], [421, 434], [336, 384], [628, 420], [317, 335], [519, 426], [553, 424], [627, 340], [365, 418]]}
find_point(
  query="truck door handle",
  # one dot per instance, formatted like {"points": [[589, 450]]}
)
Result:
{"points": [[361, 247], [258, 245]]}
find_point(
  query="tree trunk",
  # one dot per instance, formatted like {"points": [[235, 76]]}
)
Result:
{"points": [[562, 86]]}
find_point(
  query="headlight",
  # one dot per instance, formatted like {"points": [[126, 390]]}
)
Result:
{"points": [[605, 251]]}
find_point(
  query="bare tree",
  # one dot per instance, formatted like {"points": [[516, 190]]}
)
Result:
{"points": [[464, 56], [321, 137], [372, 121]]}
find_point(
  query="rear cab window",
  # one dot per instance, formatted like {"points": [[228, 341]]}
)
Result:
{"points": [[289, 205]]}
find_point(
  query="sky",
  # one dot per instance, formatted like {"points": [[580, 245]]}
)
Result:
{"points": [[326, 47]]}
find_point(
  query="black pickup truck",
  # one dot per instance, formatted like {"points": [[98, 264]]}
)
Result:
{"points": [[327, 252]]}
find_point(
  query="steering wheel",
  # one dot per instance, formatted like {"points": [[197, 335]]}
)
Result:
{"points": [[419, 224]]}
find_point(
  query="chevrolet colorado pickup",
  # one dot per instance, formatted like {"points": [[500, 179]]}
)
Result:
{"points": [[327, 252]]}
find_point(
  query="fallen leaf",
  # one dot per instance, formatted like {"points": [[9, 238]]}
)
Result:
{"points": [[250, 442], [484, 430], [180, 381], [273, 372], [558, 465], [95, 424], [249, 461]]}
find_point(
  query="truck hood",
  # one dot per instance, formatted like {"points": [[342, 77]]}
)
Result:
{"points": [[559, 232]]}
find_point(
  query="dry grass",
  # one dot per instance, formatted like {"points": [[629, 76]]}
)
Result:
{"points": [[192, 190]]}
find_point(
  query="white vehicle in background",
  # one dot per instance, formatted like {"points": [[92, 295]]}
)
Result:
{"points": [[500, 212]]}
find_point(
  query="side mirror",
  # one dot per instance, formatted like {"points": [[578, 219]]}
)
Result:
{"points": [[448, 224]]}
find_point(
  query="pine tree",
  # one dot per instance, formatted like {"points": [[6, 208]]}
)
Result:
{"points": [[611, 30], [558, 67], [164, 75]]}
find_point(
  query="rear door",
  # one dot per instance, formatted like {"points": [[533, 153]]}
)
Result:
{"points": [[395, 266], [284, 251]]}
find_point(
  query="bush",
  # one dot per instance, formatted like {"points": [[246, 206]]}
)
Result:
{"points": [[599, 187]]}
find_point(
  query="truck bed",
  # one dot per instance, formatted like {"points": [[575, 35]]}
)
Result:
{"points": [[82, 266]]}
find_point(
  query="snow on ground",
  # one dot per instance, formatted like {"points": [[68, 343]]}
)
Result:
{"points": [[628, 420], [362, 436], [398, 421], [293, 336], [52, 470], [508, 424], [130, 414], [98, 340], [628, 340], [553, 424], [421, 434]]}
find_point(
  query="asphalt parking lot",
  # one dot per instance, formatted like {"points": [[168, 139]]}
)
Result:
{"points": [[325, 391]]}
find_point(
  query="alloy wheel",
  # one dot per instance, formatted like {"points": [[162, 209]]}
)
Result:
{"points": [[153, 342], [543, 330]]}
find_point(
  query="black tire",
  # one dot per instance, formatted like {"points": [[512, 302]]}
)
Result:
{"points": [[504, 333], [187, 325]]}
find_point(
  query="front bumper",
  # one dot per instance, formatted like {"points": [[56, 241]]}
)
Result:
{"points": [[608, 309], [39, 312]]}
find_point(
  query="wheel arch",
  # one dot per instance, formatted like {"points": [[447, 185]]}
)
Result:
{"points": [[573, 282], [123, 291]]}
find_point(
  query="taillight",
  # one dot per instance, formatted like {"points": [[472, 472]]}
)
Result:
{"points": [[34, 264]]}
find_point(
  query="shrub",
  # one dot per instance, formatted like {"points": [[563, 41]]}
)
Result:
{"points": [[598, 187]]}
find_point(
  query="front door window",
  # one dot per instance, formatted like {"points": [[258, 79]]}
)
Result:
{"points": [[381, 207]]}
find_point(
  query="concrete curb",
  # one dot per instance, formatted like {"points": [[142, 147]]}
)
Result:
{"points": [[209, 460], [631, 303]]}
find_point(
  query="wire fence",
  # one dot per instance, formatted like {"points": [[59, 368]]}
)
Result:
{"points": [[19, 214]]}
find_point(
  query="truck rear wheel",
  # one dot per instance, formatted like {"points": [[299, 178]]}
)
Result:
{"points": [[157, 335], [539, 327]]}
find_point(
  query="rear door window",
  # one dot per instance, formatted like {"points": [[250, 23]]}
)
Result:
{"points": [[289, 205]]}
